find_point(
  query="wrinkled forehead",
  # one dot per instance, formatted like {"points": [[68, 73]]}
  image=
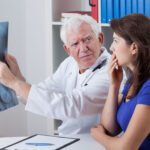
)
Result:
{"points": [[77, 33]]}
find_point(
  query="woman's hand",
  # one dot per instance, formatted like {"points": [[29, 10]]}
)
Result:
{"points": [[97, 132], [13, 66], [115, 71]]}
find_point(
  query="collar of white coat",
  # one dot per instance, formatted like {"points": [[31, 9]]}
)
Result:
{"points": [[74, 71], [104, 55]]}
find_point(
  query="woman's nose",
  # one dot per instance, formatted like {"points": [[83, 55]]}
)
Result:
{"points": [[111, 48]]}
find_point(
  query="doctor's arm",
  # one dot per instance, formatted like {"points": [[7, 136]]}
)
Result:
{"points": [[12, 77], [57, 97], [14, 67], [50, 101]]}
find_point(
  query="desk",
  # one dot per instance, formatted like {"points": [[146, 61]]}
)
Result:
{"points": [[86, 143]]}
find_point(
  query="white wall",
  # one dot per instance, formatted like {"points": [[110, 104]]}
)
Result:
{"points": [[38, 54], [37, 39], [29, 42], [13, 121]]}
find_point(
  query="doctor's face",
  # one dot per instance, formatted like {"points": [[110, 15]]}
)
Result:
{"points": [[84, 46]]}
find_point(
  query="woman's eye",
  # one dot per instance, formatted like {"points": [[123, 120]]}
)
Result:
{"points": [[115, 41]]}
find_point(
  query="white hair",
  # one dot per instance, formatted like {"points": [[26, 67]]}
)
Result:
{"points": [[75, 22]]}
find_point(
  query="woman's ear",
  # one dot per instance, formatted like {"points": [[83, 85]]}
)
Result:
{"points": [[134, 48]]}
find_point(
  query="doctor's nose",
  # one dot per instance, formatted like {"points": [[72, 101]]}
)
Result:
{"points": [[83, 47]]}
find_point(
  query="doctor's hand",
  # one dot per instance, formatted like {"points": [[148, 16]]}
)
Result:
{"points": [[6, 76], [115, 72], [13, 66], [10, 80]]}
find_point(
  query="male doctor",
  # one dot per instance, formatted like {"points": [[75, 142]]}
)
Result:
{"points": [[77, 91]]}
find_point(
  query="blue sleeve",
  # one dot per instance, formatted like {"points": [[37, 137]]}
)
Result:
{"points": [[144, 94]]}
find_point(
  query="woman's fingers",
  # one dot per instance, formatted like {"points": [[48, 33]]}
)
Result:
{"points": [[113, 65]]}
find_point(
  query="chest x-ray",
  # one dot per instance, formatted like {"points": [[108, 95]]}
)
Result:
{"points": [[3, 39], [8, 97]]}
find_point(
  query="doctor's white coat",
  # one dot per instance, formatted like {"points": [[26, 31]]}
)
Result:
{"points": [[75, 100]]}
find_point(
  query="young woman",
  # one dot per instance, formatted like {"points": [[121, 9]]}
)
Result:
{"points": [[130, 111]]}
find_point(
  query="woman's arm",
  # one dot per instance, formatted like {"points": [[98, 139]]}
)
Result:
{"points": [[138, 129], [109, 142], [108, 117]]}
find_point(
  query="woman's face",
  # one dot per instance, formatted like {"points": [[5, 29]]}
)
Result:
{"points": [[123, 51]]}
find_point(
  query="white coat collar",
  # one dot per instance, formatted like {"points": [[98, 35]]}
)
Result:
{"points": [[104, 55], [74, 70]]}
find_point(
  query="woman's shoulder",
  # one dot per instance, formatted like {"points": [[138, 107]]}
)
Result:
{"points": [[144, 94], [147, 83], [145, 87]]}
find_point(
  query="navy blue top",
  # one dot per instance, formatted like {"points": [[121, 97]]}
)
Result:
{"points": [[126, 109]]}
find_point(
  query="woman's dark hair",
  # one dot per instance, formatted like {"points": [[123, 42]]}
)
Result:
{"points": [[136, 28]]}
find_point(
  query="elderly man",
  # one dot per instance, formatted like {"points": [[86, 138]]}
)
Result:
{"points": [[77, 91]]}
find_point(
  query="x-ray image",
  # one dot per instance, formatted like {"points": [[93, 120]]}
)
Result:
{"points": [[3, 39], [8, 97]]}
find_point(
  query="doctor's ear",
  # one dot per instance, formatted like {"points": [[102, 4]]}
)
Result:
{"points": [[134, 48], [101, 38], [66, 49]]}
